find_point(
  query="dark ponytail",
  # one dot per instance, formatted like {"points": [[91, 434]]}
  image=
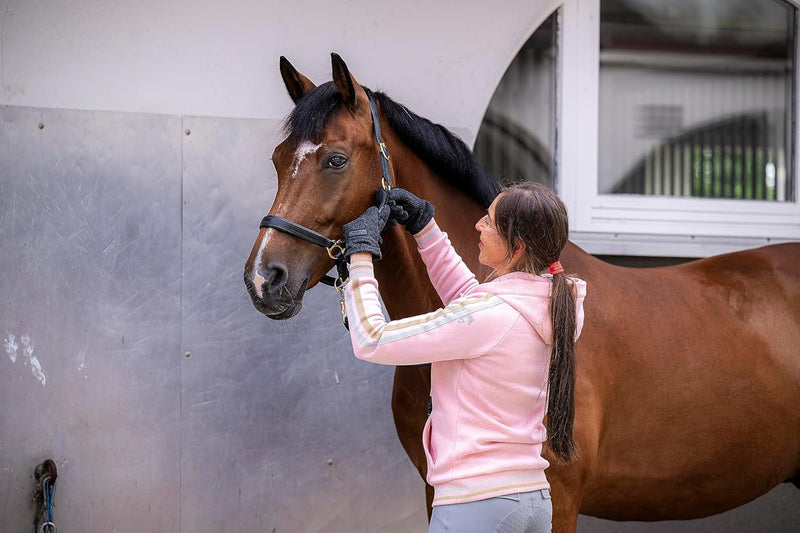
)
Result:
{"points": [[561, 381], [532, 214]]}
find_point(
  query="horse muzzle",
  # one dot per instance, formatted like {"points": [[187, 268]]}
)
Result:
{"points": [[272, 292]]}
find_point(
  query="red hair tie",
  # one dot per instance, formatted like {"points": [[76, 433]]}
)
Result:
{"points": [[556, 268]]}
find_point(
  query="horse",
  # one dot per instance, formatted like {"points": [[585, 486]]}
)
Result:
{"points": [[688, 376]]}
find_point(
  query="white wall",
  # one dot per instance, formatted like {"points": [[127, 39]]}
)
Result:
{"points": [[184, 57], [442, 59]]}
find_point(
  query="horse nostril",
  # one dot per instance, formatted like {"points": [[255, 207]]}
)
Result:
{"points": [[274, 277]]}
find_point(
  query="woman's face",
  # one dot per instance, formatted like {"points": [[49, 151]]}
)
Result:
{"points": [[493, 249]]}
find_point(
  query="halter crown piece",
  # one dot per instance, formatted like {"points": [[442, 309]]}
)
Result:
{"points": [[556, 268]]}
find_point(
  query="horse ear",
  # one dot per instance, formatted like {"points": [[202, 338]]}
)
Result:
{"points": [[297, 84], [345, 82]]}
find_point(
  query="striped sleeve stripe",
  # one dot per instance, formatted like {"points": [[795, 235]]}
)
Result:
{"points": [[361, 269], [371, 336], [429, 233]]}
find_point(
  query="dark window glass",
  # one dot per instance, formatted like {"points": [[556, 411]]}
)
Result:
{"points": [[517, 139]]}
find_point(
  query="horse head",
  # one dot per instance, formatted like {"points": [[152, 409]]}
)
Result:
{"points": [[328, 170]]}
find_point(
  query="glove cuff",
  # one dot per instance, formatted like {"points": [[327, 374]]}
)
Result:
{"points": [[358, 247], [424, 215]]}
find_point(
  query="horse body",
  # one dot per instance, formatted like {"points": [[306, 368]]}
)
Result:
{"points": [[697, 372], [688, 381]]}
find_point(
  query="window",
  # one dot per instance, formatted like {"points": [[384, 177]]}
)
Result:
{"points": [[668, 128], [517, 138], [696, 99]]}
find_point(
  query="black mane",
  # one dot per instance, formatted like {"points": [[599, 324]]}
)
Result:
{"points": [[446, 154]]}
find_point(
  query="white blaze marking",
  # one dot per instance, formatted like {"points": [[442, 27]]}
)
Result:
{"points": [[258, 280], [304, 150]]}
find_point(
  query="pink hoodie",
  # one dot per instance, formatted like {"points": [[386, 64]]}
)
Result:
{"points": [[489, 348]]}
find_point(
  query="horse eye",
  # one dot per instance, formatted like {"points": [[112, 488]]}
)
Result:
{"points": [[337, 161]]}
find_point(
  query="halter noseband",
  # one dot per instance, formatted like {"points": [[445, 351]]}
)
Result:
{"points": [[335, 248]]}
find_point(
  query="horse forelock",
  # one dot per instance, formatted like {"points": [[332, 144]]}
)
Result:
{"points": [[307, 121], [446, 154]]}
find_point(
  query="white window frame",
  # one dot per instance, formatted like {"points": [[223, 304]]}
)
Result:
{"points": [[639, 224]]}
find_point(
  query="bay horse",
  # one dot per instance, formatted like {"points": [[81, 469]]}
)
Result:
{"points": [[688, 377]]}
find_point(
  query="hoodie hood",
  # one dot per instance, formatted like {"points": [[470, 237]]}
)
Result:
{"points": [[525, 292]]}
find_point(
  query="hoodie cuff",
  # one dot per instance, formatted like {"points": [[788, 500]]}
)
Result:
{"points": [[427, 234], [360, 269]]}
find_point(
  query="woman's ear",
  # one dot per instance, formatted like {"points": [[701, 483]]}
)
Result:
{"points": [[519, 249], [516, 253]]}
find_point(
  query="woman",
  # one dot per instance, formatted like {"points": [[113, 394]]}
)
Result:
{"points": [[499, 363]]}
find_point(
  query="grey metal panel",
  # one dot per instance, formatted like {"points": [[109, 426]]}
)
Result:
{"points": [[90, 313], [283, 429]]}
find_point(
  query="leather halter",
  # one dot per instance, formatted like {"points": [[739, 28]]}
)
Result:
{"points": [[335, 248]]}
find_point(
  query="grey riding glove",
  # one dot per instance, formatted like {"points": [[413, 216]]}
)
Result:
{"points": [[364, 233], [397, 215], [419, 211]]}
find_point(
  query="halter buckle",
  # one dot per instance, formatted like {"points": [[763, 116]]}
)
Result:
{"points": [[383, 150], [332, 249]]}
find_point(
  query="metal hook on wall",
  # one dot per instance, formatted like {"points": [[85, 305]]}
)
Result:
{"points": [[44, 494]]}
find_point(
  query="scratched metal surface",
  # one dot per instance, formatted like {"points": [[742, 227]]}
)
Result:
{"points": [[122, 244], [89, 315], [283, 429]]}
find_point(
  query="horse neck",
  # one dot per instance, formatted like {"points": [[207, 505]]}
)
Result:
{"points": [[405, 288], [577, 261]]}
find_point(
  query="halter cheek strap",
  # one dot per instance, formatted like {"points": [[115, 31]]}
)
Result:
{"points": [[386, 173]]}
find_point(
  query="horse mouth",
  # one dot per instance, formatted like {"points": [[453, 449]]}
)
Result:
{"points": [[283, 315], [281, 306]]}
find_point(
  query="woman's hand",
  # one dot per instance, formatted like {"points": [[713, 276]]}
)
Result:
{"points": [[364, 233], [419, 211]]}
